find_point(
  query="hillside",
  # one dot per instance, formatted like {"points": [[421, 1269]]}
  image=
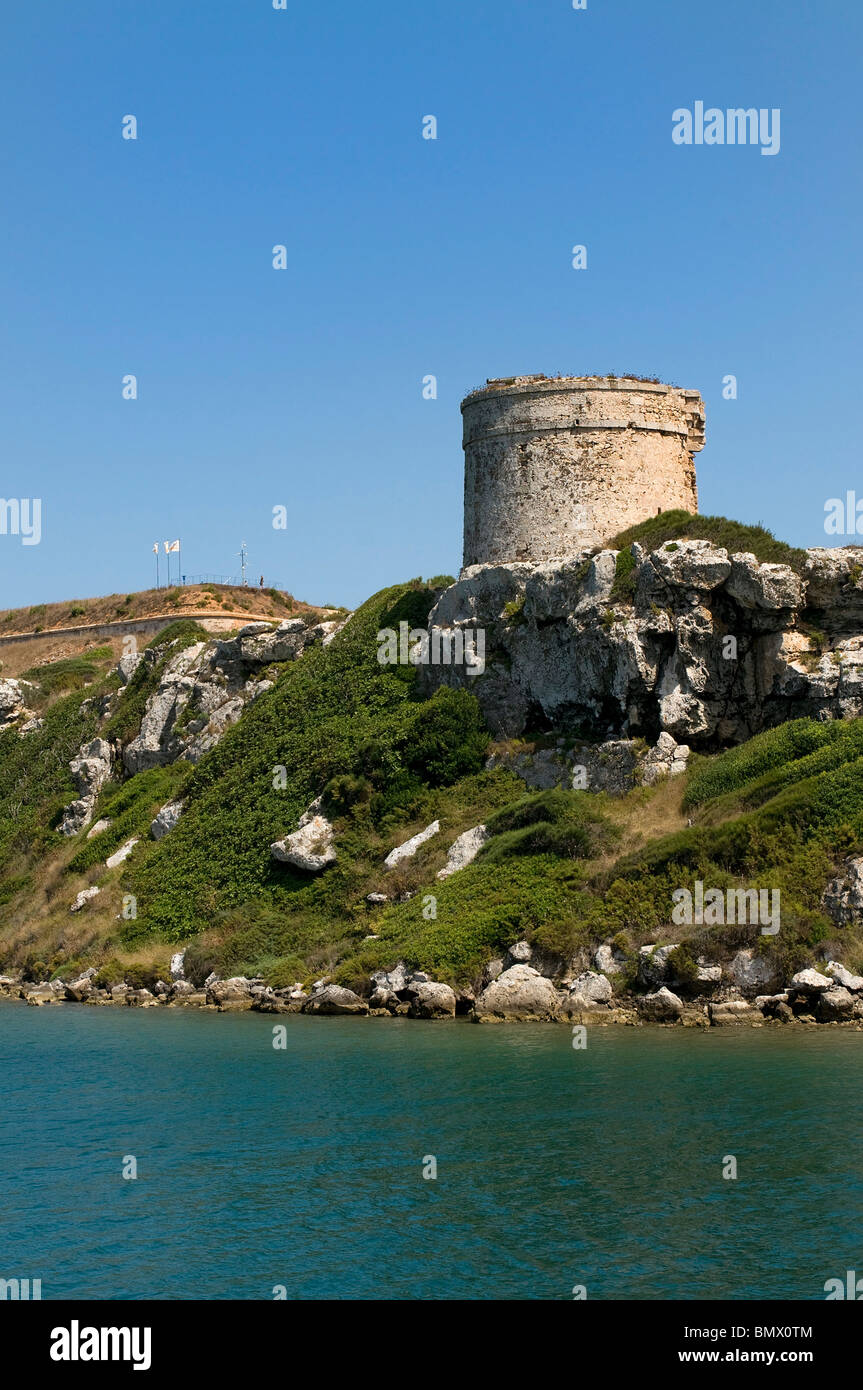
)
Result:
{"points": [[243, 733], [49, 632], [177, 599]]}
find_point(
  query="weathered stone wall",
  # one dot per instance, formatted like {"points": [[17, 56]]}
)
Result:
{"points": [[557, 466]]}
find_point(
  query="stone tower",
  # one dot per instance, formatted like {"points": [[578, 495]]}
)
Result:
{"points": [[557, 465]]}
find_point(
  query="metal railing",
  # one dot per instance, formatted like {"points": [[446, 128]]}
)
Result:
{"points": [[229, 580]]}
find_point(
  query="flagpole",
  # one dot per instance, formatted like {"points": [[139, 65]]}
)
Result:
{"points": [[156, 549]]}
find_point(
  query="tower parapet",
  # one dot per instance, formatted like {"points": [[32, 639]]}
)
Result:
{"points": [[557, 465]]}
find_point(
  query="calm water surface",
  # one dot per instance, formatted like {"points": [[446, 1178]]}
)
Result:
{"points": [[303, 1167]]}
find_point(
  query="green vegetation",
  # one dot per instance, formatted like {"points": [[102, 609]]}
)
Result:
{"points": [[563, 869], [569, 824], [72, 673], [337, 713], [35, 782], [623, 588], [514, 610], [733, 536], [130, 807]]}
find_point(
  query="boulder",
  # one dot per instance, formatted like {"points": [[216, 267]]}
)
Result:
{"points": [[608, 960], [311, 847], [708, 976], [660, 1007], [844, 977], [836, 1005], [395, 981], [12, 701], [84, 897], [128, 665], [519, 994], [141, 998], [653, 967], [492, 970], [519, 954], [80, 989], [773, 1005], [667, 758], [464, 850], [40, 994], [590, 991], [333, 999], [753, 974], [114, 860], [177, 965], [90, 771], [766, 586], [810, 982], [410, 847], [98, 827], [433, 1000], [166, 818], [235, 993], [728, 1011]]}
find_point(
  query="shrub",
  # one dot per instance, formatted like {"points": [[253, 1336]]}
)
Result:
{"points": [[732, 536], [447, 738], [623, 587]]}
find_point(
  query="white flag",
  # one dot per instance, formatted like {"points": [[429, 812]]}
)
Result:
{"points": [[156, 548], [171, 545]]}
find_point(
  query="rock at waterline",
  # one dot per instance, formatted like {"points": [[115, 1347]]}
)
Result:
{"points": [[332, 999], [519, 994]]}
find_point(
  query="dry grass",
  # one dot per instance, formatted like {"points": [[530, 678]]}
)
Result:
{"points": [[147, 603], [231, 604], [645, 813]]}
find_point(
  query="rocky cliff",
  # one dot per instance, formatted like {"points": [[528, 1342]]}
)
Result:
{"points": [[687, 639]]}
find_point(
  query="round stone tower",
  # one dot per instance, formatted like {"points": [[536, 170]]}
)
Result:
{"points": [[557, 465]]}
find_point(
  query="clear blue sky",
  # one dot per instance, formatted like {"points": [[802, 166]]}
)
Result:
{"points": [[406, 257]]}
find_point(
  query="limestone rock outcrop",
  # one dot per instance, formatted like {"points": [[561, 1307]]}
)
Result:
{"points": [[410, 847], [205, 687], [463, 851], [520, 995], [311, 847], [165, 819], [90, 771], [701, 645], [13, 703]]}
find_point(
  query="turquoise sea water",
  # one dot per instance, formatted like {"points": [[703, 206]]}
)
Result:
{"points": [[304, 1167]]}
